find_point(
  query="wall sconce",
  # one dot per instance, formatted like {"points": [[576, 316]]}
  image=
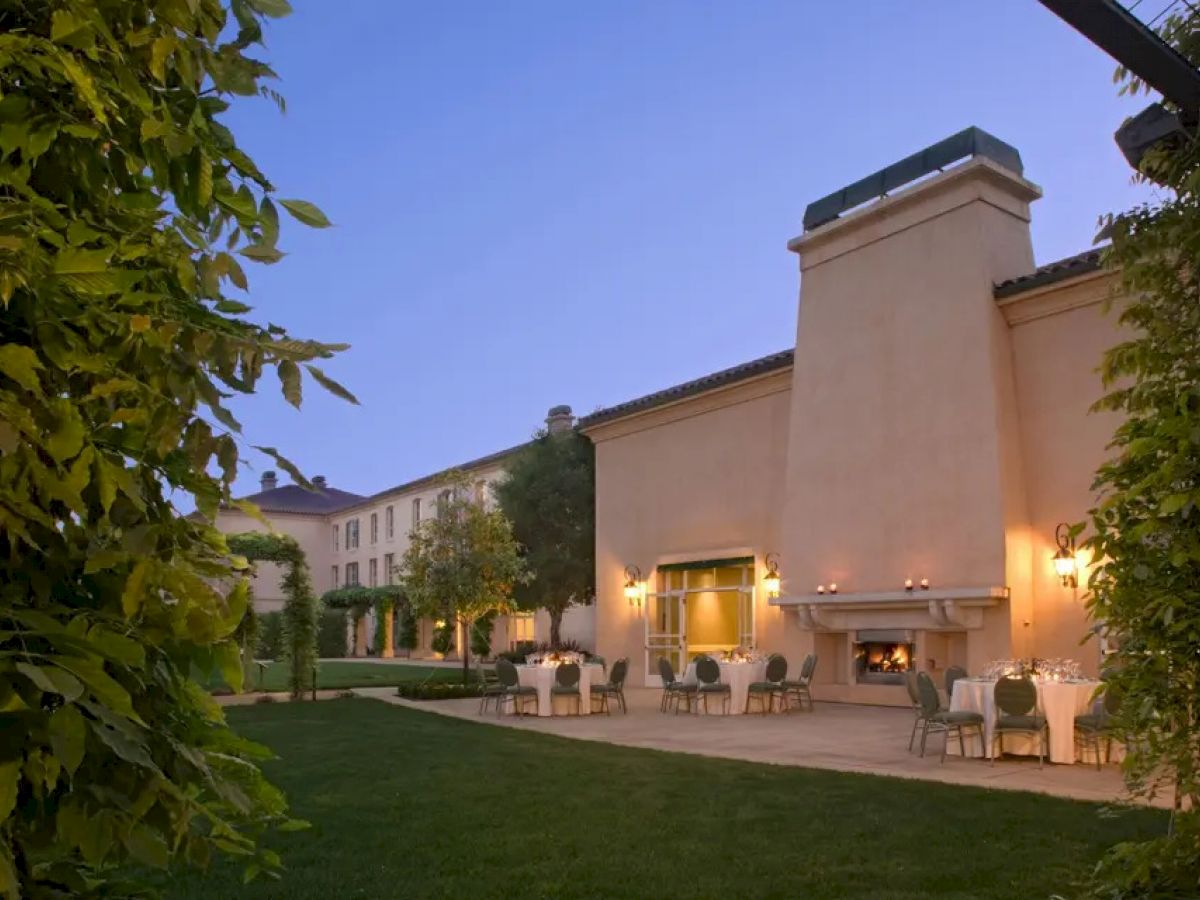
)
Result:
{"points": [[772, 581], [1065, 565], [634, 590]]}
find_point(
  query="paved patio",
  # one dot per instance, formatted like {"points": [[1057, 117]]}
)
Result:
{"points": [[844, 737]]}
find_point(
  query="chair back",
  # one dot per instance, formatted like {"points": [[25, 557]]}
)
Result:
{"points": [[1016, 695], [619, 670], [707, 670], [507, 673], [567, 675], [952, 675], [931, 703], [776, 668], [1112, 700], [665, 672], [809, 667], [910, 683]]}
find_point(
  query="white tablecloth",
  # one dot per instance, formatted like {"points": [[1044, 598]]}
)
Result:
{"points": [[1059, 701], [542, 678], [738, 675]]}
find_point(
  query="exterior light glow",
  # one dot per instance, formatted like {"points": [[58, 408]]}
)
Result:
{"points": [[1065, 565], [772, 581], [633, 585]]}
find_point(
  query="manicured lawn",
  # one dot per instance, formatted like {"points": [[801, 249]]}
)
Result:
{"points": [[347, 674], [411, 804]]}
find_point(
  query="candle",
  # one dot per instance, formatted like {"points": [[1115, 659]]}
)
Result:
{"points": [[833, 587], [908, 584], [924, 584], [820, 588]]}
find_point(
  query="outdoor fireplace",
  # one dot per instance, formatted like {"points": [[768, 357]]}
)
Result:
{"points": [[882, 656]]}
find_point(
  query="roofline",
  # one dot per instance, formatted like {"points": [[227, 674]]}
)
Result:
{"points": [[433, 478], [1069, 267], [689, 389]]}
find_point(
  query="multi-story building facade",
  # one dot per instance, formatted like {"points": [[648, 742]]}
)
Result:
{"points": [[904, 466]]}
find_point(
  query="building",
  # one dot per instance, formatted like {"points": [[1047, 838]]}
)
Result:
{"points": [[352, 539], [905, 464], [929, 427]]}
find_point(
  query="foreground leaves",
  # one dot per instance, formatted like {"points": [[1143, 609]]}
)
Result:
{"points": [[125, 205]]}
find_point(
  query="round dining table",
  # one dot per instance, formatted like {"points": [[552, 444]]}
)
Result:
{"points": [[738, 675], [1059, 701], [542, 678]]}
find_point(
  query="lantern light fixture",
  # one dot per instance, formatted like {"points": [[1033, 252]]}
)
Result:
{"points": [[772, 581], [634, 590], [1065, 564]]}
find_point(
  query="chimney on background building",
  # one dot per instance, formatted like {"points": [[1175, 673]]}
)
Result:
{"points": [[268, 481], [319, 482], [559, 420]]}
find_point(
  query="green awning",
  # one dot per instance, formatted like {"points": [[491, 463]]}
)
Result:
{"points": [[707, 564]]}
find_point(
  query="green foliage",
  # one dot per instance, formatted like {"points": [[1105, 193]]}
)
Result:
{"points": [[481, 635], [407, 635], [462, 563], [1146, 529], [270, 636], [298, 623], [125, 206], [331, 634], [436, 690], [549, 495], [443, 638]]}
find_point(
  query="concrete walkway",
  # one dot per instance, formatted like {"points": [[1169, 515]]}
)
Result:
{"points": [[843, 737]]}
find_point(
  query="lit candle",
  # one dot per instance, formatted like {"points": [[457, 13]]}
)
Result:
{"points": [[924, 584], [833, 587], [820, 588], [908, 584]]}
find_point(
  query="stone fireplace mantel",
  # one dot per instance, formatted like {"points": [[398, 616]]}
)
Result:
{"points": [[936, 608]]}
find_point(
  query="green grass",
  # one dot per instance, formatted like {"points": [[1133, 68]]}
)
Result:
{"points": [[347, 674], [411, 804]]}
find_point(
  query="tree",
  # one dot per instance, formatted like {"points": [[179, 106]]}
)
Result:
{"points": [[549, 495], [1145, 588], [462, 563], [300, 611], [125, 205]]}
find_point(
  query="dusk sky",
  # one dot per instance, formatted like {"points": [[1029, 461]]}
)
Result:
{"points": [[552, 202]]}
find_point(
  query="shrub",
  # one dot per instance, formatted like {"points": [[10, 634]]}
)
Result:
{"points": [[270, 635], [481, 635], [434, 690], [443, 638], [331, 634]]}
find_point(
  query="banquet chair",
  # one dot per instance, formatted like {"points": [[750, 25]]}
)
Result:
{"points": [[708, 674], [1017, 713], [766, 691], [673, 689], [944, 720], [490, 688], [614, 687], [800, 688], [520, 694], [952, 675], [914, 695], [1096, 726], [566, 684]]}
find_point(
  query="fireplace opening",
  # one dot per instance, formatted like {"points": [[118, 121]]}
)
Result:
{"points": [[883, 656]]}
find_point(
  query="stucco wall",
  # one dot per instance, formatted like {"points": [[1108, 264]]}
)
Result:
{"points": [[698, 479], [1059, 336]]}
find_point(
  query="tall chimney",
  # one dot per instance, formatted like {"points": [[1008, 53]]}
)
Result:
{"points": [[559, 420], [268, 481]]}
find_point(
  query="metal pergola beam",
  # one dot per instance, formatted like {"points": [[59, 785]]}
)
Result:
{"points": [[1125, 38]]}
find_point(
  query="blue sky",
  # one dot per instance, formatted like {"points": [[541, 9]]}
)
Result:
{"points": [[555, 202]]}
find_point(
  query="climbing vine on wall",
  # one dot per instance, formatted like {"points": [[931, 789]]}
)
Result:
{"points": [[300, 609]]}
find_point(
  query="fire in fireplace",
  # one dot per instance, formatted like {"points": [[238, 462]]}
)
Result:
{"points": [[883, 656]]}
